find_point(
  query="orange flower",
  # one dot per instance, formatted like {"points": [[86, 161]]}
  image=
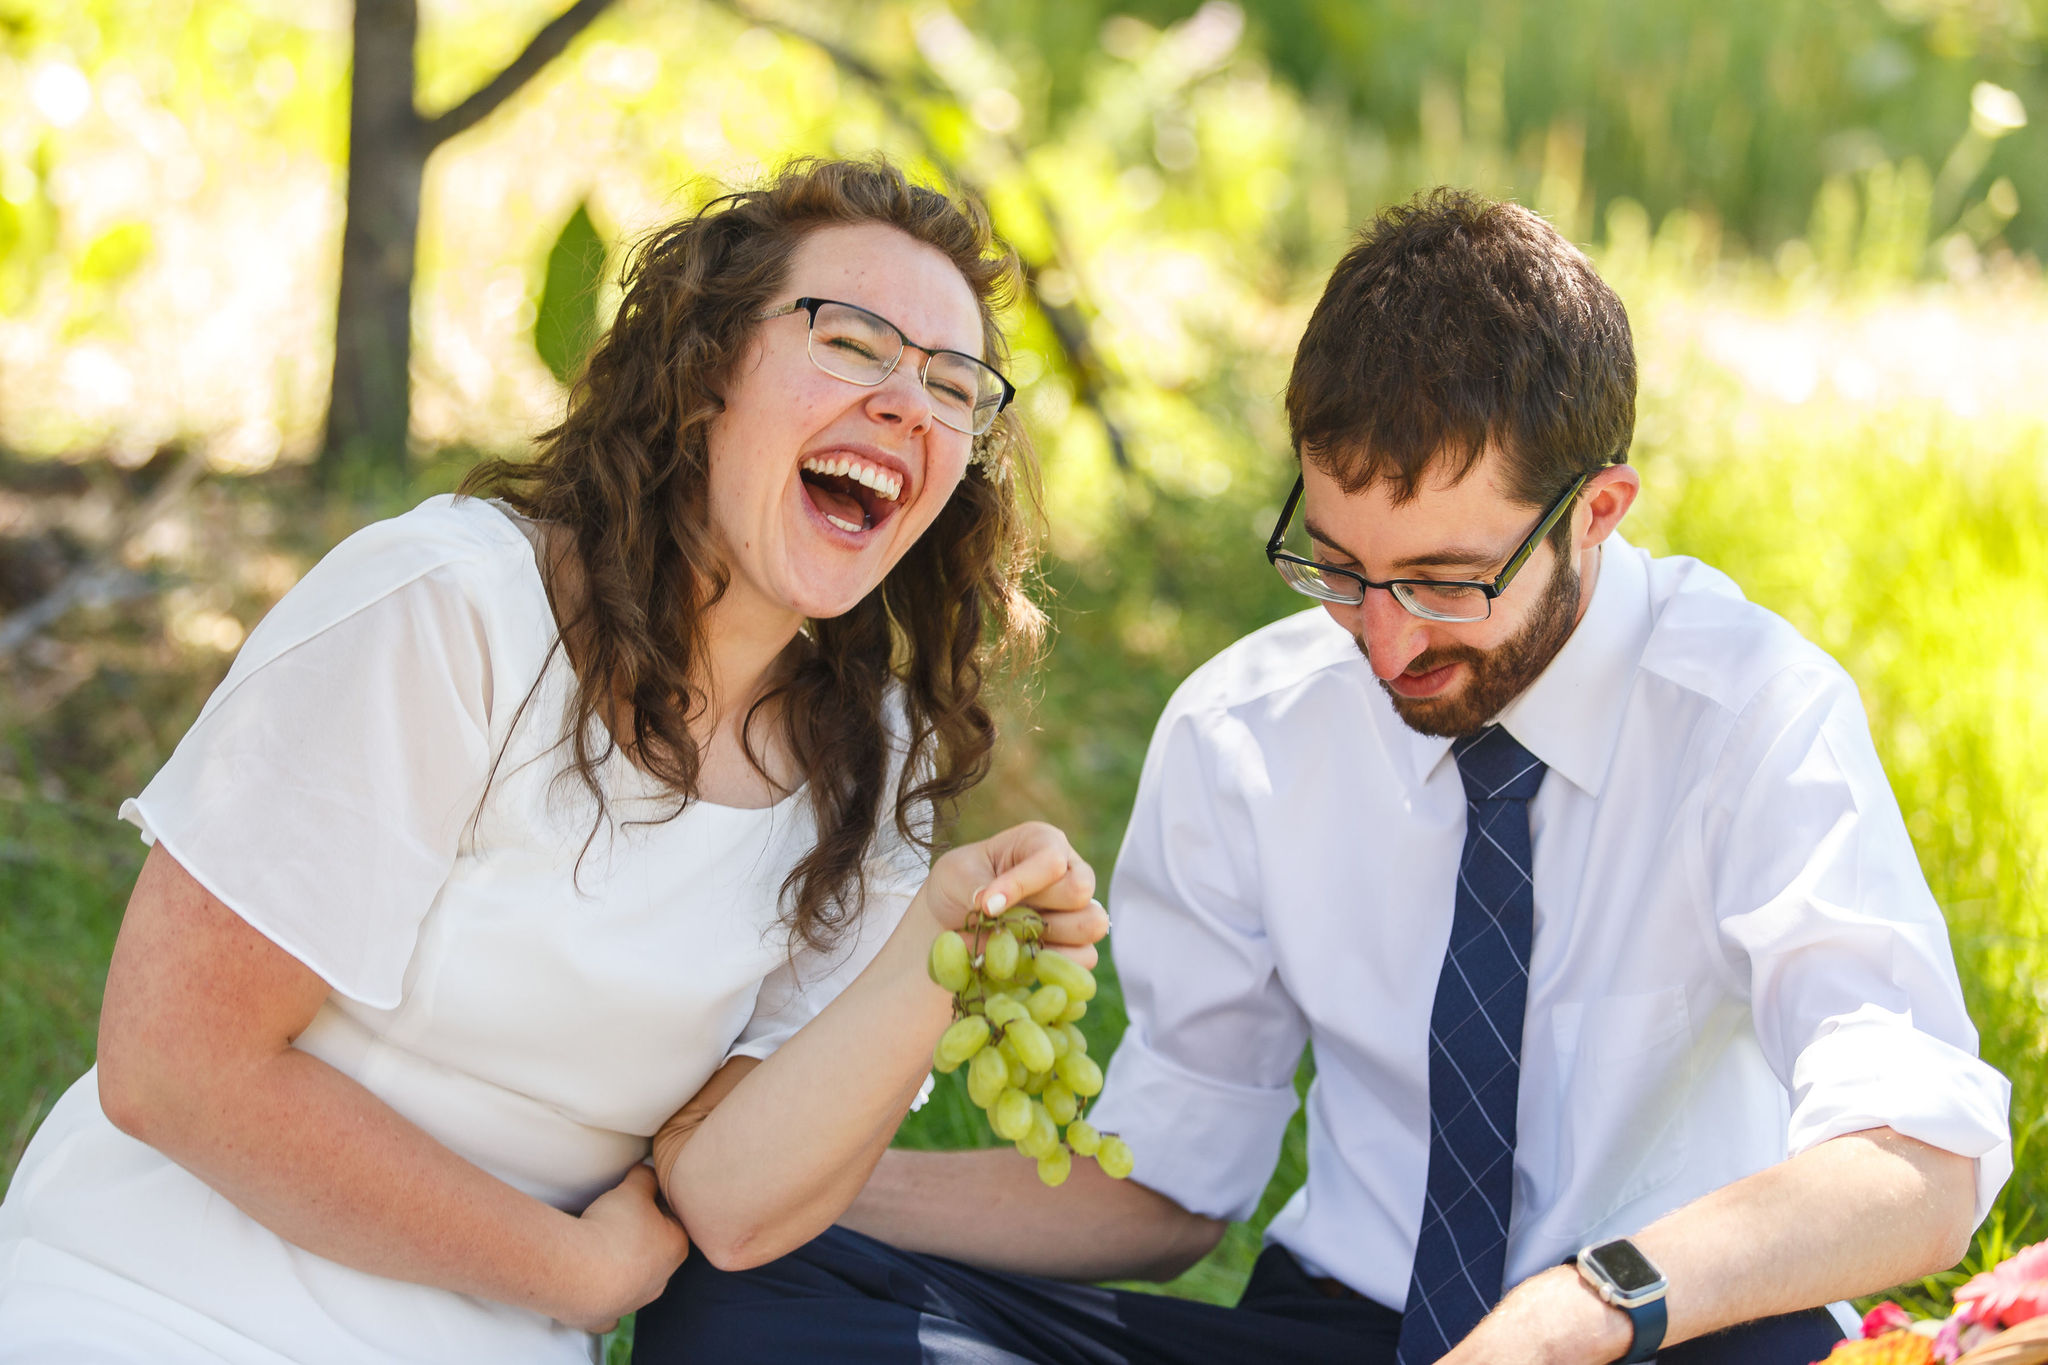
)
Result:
{"points": [[1893, 1348]]}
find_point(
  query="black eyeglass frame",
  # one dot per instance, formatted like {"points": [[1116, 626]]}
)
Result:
{"points": [[1490, 590], [811, 306]]}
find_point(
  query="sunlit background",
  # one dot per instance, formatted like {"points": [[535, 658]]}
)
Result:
{"points": [[1826, 217]]}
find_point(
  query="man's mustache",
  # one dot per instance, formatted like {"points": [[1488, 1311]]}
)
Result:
{"points": [[1431, 659]]}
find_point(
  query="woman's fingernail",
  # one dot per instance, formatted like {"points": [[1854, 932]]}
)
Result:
{"points": [[993, 903]]}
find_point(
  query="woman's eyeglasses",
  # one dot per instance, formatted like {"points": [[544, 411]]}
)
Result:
{"points": [[850, 343]]}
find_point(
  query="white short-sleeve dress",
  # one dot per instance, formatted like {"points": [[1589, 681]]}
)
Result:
{"points": [[378, 788]]}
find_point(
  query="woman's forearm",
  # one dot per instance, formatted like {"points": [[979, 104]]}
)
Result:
{"points": [[770, 1157], [320, 1161], [767, 1156]]}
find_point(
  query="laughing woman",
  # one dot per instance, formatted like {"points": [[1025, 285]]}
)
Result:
{"points": [[538, 821]]}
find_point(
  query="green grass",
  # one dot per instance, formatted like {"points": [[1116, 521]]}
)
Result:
{"points": [[65, 871]]}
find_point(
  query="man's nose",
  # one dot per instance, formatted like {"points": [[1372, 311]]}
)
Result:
{"points": [[1393, 637]]}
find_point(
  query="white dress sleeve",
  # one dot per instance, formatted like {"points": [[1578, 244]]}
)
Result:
{"points": [[324, 789]]}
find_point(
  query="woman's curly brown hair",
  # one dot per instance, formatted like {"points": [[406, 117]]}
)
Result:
{"points": [[627, 473]]}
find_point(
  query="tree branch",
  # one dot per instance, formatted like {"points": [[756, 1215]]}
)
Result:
{"points": [[1068, 327], [545, 47], [101, 578]]}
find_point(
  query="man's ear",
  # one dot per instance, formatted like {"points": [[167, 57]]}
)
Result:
{"points": [[1606, 501]]}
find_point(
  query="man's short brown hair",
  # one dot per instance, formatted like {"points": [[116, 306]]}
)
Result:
{"points": [[1454, 324]]}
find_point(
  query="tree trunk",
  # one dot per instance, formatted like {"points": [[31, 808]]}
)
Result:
{"points": [[369, 406]]}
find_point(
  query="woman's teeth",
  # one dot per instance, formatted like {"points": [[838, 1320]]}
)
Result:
{"points": [[868, 476], [843, 525]]}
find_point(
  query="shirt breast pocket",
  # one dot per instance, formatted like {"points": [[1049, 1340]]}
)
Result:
{"points": [[1626, 1062]]}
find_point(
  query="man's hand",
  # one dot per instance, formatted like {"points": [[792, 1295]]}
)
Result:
{"points": [[1550, 1319]]}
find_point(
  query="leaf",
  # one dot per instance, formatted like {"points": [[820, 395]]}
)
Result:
{"points": [[115, 253], [565, 326]]}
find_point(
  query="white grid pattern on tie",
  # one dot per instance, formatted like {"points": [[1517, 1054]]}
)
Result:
{"points": [[1450, 1224]]}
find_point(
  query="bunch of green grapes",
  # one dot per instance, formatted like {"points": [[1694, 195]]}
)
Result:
{"points": [[1015, 1006]]}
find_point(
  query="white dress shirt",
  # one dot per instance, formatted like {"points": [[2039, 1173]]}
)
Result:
{"points": [[1735, 957]]}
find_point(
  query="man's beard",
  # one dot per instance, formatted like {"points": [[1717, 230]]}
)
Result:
{"points": [[1496, 676]]}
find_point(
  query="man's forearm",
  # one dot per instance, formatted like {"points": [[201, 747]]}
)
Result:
{"points": [[989, 1208], [1850, 1216], [1847, 1217]]}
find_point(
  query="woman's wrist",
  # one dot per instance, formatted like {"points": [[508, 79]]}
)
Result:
{"points": [[576, 1259]]}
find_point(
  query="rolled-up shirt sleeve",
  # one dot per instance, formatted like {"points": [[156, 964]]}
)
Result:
{"points": [[1820, 900], [1202, 1084]]}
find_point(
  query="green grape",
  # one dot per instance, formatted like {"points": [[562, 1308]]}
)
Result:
{"points": [[999, 958], [1047, 1004], [1027, 1065], [1114, 1157], [1011, 1117], [1030, 1046], [1077, 981], [960, 1042], [988, 1075], [1060, 1102], [1080, 1073], [1043, 1139], [948, 963]]}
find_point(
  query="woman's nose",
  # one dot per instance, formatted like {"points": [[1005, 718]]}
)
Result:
{"points": [[901, 398]]}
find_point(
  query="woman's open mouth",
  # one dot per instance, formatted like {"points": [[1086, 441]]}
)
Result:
{"points": [[852, 494]]}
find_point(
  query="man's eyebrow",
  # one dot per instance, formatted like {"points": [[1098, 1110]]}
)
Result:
{"points": [[1315, 533], [1456, 557]]}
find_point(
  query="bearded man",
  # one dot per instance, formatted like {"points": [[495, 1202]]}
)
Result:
{"points": [[1636, 1029]]}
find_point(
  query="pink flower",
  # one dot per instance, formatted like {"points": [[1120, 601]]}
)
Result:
{"points": [[1957, 1336], [2009, 1293], [1886, 1317]]}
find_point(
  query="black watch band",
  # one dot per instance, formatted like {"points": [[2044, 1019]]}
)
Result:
{"points": [[1648, 1321], [1626, 1279]]}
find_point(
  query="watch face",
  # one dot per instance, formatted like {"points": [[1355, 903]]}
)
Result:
{"points": [[1624, 1267]]}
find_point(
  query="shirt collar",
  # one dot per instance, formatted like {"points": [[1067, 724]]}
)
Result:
{"points": [[1570, 717]]}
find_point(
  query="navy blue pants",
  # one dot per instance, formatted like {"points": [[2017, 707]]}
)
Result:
{"points": [[848, 1298]]}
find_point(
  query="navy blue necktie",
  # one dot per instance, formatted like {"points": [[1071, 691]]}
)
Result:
{"points": [[1475, 1054]]}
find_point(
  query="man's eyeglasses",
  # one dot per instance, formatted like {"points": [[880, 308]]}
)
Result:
{"points": [[862, 348], [1430, 598]]}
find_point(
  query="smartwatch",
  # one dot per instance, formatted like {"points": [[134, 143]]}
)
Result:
{"points": [[1624, 1277]]}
